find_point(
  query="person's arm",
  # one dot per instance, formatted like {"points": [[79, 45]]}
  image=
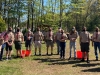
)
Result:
{"points": [[80, 38]]}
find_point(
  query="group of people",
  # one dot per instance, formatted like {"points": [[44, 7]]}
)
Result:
{"points": [[60, 38]]}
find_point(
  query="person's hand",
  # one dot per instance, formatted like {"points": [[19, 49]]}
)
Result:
{"points": [[29, 38]]}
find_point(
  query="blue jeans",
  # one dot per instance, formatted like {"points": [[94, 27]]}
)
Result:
{"points": [[62, 50], [73, 45], [96, 45], [1, 53], [58, 46]]}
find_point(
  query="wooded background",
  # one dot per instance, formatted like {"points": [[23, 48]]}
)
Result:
{"points": [[55, 13]]}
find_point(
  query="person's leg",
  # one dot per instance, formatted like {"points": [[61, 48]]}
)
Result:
{"points": [[7, 48], [1, 54], [95, 48], [83, 52], [74, 46], [9, 53], [63, 48], [36, 43], [47, 47], [87, 52], [35, 50], [39, 48], [70, 50], [52, 47], [58, 46]]}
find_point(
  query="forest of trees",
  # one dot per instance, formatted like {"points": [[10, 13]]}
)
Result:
{"points": [[56, 13]]}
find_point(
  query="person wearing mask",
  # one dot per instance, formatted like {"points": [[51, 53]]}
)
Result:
{"points": [[72, 37], [9, 42], [57, 40], [96, 40], [62, 39], [28, 41], [49, 40], [84, 43], [19, 38], [38, 37]]}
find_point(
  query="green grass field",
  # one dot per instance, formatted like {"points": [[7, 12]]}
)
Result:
{"points": [[50, 65]]}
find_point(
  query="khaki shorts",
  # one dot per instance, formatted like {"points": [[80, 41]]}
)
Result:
{"points": [[37, 44], [49, 43]]}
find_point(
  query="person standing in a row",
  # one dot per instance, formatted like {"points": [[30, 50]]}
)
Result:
{"points": [[38, 37], [9, 43], [50, 40], [57, 40], [84, 43], [19, 38], [96, 40], [29, 39], [72, 37], [62, 39]]}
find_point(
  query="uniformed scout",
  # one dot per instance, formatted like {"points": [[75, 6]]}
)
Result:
{"points": [[73, 37], [96, 42], [28, 41], [62, 39], [84, 43], [9, 42], [50, 40], [18, 40], [38, 37], [57, 40]]}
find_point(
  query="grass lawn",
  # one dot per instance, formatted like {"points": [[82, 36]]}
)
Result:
{"points": [[50, 65]]}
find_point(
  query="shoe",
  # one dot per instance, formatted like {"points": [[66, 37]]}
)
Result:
{"points": [[96, 59], [1, 59], [40, 54], [63, 58], [46, 53], [74, 58], [51, 53], [60, 57], [88, 61], [69, 58], [82, 60], [9, 58]]}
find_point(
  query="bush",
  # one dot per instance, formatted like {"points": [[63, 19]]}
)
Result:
{"points": [[2, 25]]}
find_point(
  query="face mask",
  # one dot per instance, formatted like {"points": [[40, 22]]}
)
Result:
{"points": [[49, 29], [62, 32], [17, 30], [84, 30], [96, 30], [10, 30]]}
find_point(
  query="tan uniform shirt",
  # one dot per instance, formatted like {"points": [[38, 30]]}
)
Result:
{"points": [[10, 36], [96, 36], [84, 37], [57, 37], [38, 36], [49, 36], [18, 36], [63, 37], [73, 37]]}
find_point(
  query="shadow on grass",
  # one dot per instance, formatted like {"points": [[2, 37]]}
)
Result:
{"points": [[56, 61], [92, 70], [47, 59], [64, 62], [86, 65]]}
